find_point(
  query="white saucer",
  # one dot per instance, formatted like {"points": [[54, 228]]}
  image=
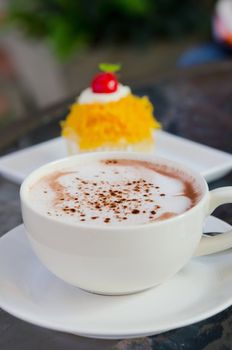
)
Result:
{"points": [[28, 291], [210, 162]]}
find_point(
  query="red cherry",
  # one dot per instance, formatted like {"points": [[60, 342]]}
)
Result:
{"points": [[104, 83]]}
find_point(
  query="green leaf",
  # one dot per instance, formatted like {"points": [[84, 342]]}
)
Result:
{"points": [[109, 68]]}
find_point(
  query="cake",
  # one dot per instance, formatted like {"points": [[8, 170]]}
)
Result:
{"points": [[108, 116]]}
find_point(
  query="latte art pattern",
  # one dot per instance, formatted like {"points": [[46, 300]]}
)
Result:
{"points": [[116, 192]]}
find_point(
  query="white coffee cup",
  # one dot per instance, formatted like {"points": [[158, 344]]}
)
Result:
{"points": [[121, 259]]}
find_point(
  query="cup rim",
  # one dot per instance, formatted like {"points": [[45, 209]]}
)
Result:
{"points": [[55, 165]]}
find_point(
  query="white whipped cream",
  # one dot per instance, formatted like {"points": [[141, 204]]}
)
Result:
{"points": [[88, 96]]}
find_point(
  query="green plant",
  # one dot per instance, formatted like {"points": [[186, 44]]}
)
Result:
{"points": [[71, 24]]}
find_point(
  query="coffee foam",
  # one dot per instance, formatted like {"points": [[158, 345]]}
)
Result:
{"points": [[116, 192]]}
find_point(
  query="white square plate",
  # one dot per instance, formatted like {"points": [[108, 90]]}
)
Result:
{"points": [[211, 163]]}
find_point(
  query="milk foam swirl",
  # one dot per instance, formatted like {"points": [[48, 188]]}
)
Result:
{"points": [[116, 192]]}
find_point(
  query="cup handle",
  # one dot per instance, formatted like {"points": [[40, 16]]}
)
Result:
{"points": [[214, 244]]}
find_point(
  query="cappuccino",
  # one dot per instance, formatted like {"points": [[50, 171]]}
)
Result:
{"points": [[114, 192]]}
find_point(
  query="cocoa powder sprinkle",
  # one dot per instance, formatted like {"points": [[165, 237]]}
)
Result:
{"points": [[112, 198], [135, 211]]}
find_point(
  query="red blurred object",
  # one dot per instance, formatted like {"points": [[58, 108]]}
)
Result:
{"points": [[222, 22], [104, 83]]}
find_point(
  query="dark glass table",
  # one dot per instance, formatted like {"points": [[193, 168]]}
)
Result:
{"points": [[195, 104]]}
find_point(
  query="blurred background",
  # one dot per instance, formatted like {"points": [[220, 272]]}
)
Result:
{"points": [[50, 49]]}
